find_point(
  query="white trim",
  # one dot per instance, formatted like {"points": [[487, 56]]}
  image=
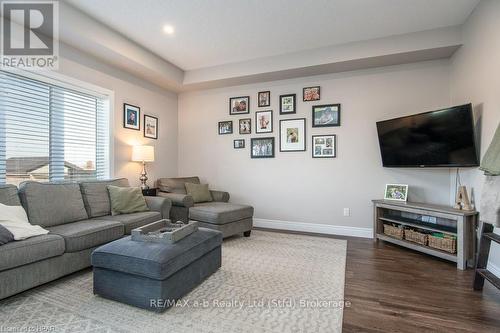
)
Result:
{"points": [[314, 228], [493, 268]]}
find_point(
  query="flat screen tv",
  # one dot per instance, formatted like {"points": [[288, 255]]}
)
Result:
{"points": [[441, 138]]}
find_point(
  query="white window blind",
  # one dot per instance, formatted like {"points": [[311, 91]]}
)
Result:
{"points": [[50, 132]]}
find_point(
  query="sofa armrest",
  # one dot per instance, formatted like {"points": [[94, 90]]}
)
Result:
{"points": [[182, 200], [219, 196], [158, 204]]}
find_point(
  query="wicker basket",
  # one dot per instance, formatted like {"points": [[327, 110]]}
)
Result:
{"points": [[416, 237], [447, 244], [392, 231]]}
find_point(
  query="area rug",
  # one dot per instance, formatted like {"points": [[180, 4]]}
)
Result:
{"points": [[269, 282]]}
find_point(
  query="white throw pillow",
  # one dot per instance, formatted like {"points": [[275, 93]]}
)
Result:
{"points": [[14, 219]]}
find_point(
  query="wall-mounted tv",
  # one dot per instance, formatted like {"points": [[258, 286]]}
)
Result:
{"points": [[441, 138]]}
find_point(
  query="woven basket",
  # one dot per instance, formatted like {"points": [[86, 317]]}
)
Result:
{"points": [[445, 244], [395, 232], [416, 237]]}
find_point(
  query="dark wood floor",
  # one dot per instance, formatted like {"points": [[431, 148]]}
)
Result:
{"points": [[392, 289]]}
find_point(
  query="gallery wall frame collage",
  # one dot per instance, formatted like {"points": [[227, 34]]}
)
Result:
{"points": [[132, 120], [292, 132]]}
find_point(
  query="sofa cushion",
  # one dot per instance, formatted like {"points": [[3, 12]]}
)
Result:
{"points": [[176, 185], [5, 235], [9, 196], [30, 250], [134, 220], [88, 233], [155, 260], [126, 200], [96, 197], [52, 204], [199, 192], [219, 212]]}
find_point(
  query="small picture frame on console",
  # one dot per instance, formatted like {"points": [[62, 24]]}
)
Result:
{"points": [[396, 192]]}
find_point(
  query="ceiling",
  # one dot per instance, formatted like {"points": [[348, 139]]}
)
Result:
{"points": [[219, 32]]}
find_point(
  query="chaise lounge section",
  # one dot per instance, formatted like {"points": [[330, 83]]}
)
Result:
{"points": [[78, 218]]}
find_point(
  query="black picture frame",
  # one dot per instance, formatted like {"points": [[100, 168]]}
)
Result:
{"points": [[333, 124], [257, 122], [240, 141], [252, 140], [126, 124], [235, 113], [305, 135], [263, 105], [146, 135], [249, 127], [225, 122], [311, 100], [313, 145], [294, 96]]}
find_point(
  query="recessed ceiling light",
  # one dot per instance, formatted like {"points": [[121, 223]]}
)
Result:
{"points": [[168, 29]]}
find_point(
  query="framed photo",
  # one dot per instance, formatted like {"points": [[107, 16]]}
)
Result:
{"points": [[262, 148], [293, 135], [287, 104], [150, 127], [239, 143], [131, 117], [264, 98], [245, 126], [239, 105], [324, 146], [264, 121], [397, 192], [326, 115], [311, 94], [225, 127]]}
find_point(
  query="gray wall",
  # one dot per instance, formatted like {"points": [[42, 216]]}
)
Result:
{"points": [[475, 77], [295, 187]]}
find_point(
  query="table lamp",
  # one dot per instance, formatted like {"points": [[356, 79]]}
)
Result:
{"points": [[143, 154]]}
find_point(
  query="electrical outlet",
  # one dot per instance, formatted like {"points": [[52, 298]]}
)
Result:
{"points": [[347, 211]]}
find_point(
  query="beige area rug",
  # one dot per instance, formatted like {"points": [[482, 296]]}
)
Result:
{"points": [[270, 282]]}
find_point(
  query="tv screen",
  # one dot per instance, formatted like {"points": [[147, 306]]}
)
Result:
{"points": [[442, 138]]}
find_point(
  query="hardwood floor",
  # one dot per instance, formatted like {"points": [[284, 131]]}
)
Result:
{"points": [[393, 289]]}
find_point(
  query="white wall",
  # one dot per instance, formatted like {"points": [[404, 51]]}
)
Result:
{"points": [[295, 187], [475, 77], [128, 89]]}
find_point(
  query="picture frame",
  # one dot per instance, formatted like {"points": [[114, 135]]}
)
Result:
{"points": [[396, 192], [263, 99], [225, 127], [262, 147], [239, 105], [293, 135], [327, 115], [324, 146], [311, 94], [264, 121], [245, 126], [288, 104], [131, 117], [239, 144], [150, 127]]}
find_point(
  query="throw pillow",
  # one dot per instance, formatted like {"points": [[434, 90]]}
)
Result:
{"points": [[126, 200], [199, 192], [5, 236], [14, 219]]}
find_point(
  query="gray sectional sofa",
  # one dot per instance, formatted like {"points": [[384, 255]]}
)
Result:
{"points": [[78, 218]]}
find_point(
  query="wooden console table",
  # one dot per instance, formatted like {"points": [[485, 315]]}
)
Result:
{"points": [[459, 223]]}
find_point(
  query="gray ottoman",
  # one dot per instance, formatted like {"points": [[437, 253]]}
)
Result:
{"points": [[153, 275]]}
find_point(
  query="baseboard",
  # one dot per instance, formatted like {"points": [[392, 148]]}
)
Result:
{"points": [[493, 268], [314, 228]]}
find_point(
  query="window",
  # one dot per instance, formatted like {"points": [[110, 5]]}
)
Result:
{"points": [[50, 132]]}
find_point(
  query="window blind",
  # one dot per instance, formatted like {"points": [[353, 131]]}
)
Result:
{"points": [[50, 132]]}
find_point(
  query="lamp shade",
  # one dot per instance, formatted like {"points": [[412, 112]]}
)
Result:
{"points": [[143, 154]]}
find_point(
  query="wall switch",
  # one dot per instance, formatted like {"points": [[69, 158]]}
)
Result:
{"points": [[347, 211]]}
